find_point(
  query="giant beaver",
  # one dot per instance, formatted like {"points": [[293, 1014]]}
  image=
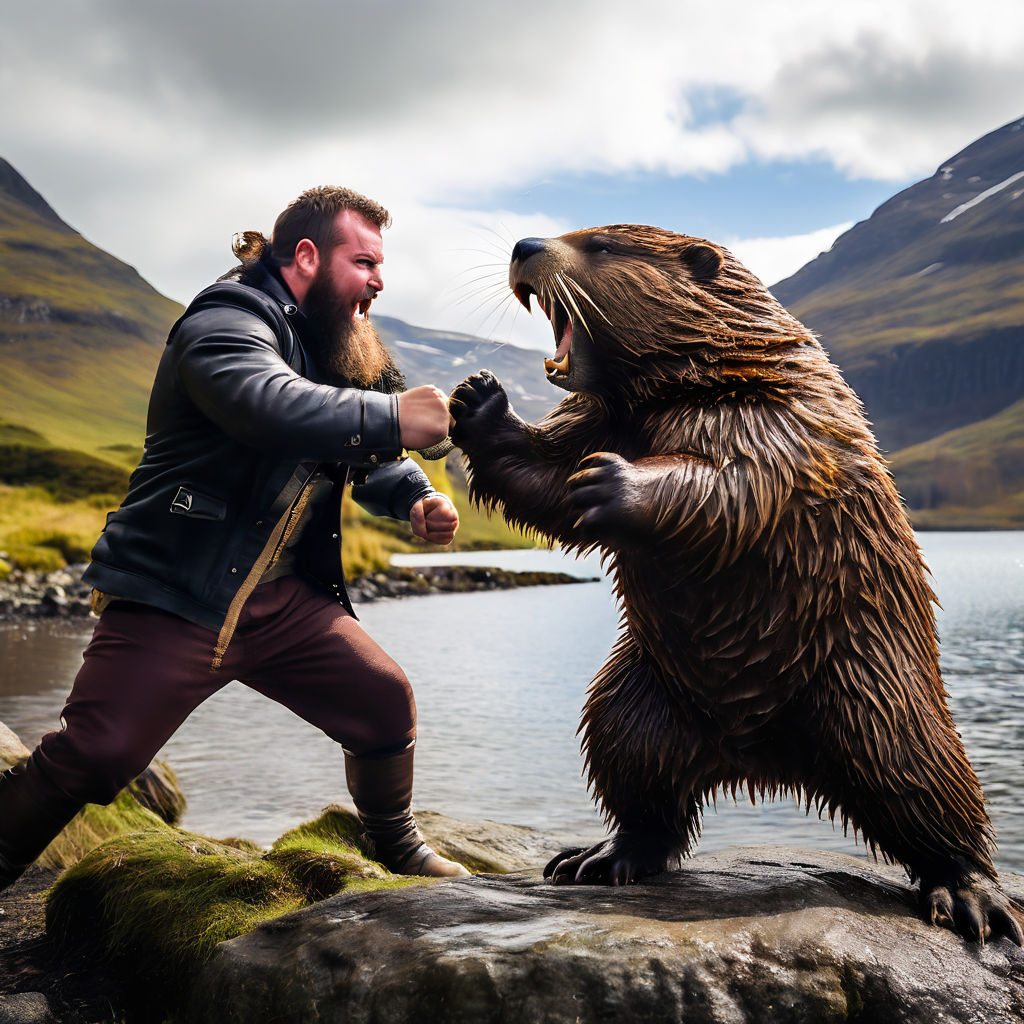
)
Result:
{"points": [[777, 634]]}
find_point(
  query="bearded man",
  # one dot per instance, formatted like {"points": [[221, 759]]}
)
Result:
{"points": [[223, 562]]}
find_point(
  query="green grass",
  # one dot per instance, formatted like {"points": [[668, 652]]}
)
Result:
{"points": [[64, 472], [96, 824], [14, 433], [369, 541], [56, 519], [76, 392], [39, 532]]}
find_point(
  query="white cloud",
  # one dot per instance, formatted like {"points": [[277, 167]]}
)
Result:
{"points": [[775, 259], [160, 130]]}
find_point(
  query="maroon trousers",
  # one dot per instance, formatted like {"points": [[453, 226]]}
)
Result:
{"points": [[146, 670]]}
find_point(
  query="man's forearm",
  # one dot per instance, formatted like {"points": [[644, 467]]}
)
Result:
{"points": [[392, 488]]}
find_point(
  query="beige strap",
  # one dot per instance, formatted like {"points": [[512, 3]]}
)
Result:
{"points": [[275, 542]]}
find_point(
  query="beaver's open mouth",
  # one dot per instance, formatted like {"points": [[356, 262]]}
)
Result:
{"points": [[561, 324]]}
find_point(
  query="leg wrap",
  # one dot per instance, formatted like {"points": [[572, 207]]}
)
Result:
{"points": [[33, 811], [381, 788]]}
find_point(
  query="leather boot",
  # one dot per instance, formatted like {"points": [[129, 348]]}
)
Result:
{"points": [[381, 788], [33, 811]]}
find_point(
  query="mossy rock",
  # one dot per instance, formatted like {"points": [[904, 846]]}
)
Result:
{"points": [[95, 824], [152, 906], [158, 789]]}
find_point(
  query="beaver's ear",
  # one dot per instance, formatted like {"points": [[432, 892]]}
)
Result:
{"points": [[703, 261]]}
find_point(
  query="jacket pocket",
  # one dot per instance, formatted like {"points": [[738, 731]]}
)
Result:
{"points": [[187, 501]]}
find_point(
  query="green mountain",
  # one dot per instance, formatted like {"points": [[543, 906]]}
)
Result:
{"points": [[80, 331], [922, 306]]}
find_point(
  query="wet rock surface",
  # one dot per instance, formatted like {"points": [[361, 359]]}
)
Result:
{"points": [[62, 594], [490, 846], [748, 935], [45, 595], [448, 579]]}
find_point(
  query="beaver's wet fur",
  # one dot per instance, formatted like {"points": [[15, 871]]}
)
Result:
{"points": [[778, 631]]}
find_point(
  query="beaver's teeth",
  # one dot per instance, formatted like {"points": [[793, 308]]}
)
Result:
{"points": [[560, 366]]}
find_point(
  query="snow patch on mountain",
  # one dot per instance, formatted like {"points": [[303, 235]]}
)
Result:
{"points": [[418, 347], [981, 197]]}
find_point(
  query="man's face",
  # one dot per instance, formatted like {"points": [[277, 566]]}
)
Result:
{"points": [[350, 271], [346, 282]]}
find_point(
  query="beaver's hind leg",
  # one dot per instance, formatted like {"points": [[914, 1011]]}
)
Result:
{"points": [[637, 760], [897, 771]]}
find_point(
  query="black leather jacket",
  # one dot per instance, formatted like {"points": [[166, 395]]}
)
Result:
{"points": [[237, 431]]}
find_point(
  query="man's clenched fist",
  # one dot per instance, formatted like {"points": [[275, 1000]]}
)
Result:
{"points": [[434, 519], [422, 416]]}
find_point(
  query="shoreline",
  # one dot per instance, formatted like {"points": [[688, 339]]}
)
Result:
{"points": [[62, 594]]}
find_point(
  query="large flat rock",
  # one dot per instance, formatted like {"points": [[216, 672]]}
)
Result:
{"points": [[749, 935]]}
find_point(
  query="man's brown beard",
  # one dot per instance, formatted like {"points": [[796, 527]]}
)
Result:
{"points": [[348, 350]]}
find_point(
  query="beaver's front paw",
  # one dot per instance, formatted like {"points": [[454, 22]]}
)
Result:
{"points": [[621, 859], [604, 496], [971, 906], [478, 407]]}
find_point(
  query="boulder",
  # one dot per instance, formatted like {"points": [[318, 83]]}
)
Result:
{"points": [[25, 1008], [12, 750], [159, 791], [748, 935]]}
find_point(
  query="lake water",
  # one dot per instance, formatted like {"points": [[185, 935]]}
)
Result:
{"points": [[500, 678]]}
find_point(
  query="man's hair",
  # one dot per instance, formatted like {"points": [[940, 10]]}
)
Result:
{"points": [[312, 216]]}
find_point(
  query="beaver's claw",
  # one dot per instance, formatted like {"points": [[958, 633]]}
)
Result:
{"points": [[973, 907], [621, 859], [478, 405], [602, 495]]}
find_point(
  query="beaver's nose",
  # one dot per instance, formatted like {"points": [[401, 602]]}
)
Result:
{"points": [[527, 247]]}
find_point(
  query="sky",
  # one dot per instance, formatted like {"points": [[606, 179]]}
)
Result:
{"points": [[158, 130]]}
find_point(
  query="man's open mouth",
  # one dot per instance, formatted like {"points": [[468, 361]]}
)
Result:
{"points": [[561, 324], [362, 307]]}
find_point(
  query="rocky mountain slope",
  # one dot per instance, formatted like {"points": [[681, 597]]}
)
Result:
{"points": [[922, 306]]}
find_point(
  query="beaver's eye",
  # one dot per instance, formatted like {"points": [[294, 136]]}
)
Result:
{"points": [[598, 244]]}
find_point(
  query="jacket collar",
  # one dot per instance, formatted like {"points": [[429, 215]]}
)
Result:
{"points": [[263, 276]]}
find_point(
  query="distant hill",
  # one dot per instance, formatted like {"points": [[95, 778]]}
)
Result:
{"points": [[80, 331], [922, 306]]}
